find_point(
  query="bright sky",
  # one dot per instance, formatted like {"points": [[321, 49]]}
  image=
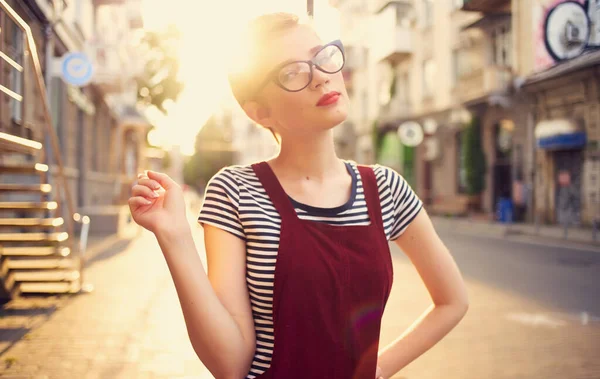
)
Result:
{"points": [[207, 28]]}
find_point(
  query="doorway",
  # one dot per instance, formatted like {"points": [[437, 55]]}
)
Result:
{"points": [[567, 178]]}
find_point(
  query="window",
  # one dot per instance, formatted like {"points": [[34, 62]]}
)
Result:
{"points": [[464, 62], [455, 67], [108, 129], [501, 45], [16, 76], [404, 88], [97, 140], [428, 77], [427, 13], [402, 14], [56, 109]]}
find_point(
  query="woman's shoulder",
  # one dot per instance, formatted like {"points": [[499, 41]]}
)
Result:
{"points": [[234, 172], [382, 172]]}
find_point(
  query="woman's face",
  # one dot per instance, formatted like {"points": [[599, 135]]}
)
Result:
{"points": [[320, 106]]}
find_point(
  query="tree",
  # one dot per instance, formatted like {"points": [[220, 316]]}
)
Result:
{"points": [[377, 137], [213, 152], [474, 158], [158, 81]]}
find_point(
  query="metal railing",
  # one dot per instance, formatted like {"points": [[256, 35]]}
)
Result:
{"points": [[30, 56]]}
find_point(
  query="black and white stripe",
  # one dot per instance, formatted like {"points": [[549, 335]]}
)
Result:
{"points": [[235, 201]]}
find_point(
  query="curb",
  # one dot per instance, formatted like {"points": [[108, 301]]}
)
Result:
{"points": [[525, 234]]}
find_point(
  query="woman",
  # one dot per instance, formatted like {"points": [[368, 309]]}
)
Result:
{"points": [[299, 267]]}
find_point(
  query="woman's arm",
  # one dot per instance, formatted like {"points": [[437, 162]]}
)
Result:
{"points": [[441, 276], [216, 308]]}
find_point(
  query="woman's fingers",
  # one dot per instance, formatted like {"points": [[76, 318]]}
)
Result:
{"points": [[149, 183], [144, 191], [165, 180], [138, 201]]}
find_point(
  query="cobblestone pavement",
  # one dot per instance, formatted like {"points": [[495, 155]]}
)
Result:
{"points": [[131, 327]]}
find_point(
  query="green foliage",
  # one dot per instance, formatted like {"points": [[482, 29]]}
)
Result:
{"points": [[377, 137], [474, 158], [393, 85], [408, 164], [212, 154], [158, 82]]}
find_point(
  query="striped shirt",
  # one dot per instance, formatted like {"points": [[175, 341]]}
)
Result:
{"points": [[236, 202]]}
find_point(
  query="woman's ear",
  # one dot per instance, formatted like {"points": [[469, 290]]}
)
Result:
{"points": [[259, 113]]}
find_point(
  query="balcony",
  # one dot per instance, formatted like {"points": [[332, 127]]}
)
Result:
{"points": [[486, 6], [392, 33], [380, 5], [395, 46], [98, 3], [480, 84], [394, 110]]}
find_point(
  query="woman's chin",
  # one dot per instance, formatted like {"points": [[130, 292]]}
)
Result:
{"points": [[337, 119], [335, 116]]}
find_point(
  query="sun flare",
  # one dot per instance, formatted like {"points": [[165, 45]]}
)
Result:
{"points": [[209, 31]]}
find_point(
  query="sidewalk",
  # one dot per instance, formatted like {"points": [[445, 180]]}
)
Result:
{"points": [[130, 327], [577, 238], [20, 316]]}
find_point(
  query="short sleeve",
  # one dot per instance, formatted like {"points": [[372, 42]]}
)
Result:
{"points": [[221, 204], [402, 203]]}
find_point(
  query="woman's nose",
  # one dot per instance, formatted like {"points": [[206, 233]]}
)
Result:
{"points": [[319, 78]]}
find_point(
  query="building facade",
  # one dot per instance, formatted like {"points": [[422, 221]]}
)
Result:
{"points": [[562, 84], [101, 132], [101, 135], [443, 64]]}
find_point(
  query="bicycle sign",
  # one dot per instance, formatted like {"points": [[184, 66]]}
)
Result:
{"points": [[571, 28]]}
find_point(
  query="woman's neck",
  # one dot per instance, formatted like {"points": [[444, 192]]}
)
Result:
{"points": [[313, 158]]}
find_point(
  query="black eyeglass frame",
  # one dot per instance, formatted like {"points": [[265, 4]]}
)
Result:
{"points": [[273, 75]]}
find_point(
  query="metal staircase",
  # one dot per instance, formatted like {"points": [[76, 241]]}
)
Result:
{"points": [[38, 251]]}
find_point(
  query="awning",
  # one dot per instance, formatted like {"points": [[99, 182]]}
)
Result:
{"points": [[585, 60], [559, 134], [488, 21]]}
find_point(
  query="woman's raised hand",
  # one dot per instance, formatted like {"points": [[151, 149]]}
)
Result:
{"points": [[157, 204]]}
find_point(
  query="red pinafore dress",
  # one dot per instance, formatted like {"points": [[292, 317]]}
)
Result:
{"points": [[330, 290]]}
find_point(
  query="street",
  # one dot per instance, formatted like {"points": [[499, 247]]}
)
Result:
{"points": [[535, 313]]}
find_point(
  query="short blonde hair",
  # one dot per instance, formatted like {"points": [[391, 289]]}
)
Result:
{"points": [[245, 80]]}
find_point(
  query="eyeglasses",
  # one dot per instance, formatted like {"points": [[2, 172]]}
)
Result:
{"points": [[297, 75]]}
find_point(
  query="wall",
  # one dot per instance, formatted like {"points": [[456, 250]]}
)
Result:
{"points": [[33, 115], [532, 21], [576, 96]]}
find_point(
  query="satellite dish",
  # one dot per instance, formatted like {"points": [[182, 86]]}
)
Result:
{"points": [[410, 133], [430, 126], [567, 30]]}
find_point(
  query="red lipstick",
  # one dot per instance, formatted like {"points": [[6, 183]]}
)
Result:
{"points": [[328, 99]]}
